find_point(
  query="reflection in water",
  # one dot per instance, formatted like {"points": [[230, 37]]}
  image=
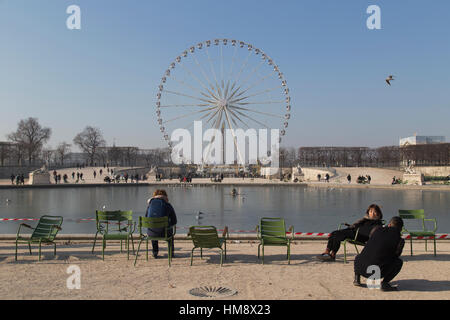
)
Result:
{"points": [[309, 209]]}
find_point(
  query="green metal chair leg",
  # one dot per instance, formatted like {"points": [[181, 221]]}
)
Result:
{"points": [[192, 255], [147, 250], [120, 246], [137, 253], [411, 244], [434, 241], [39, 250], [426, 247], [201, 253], [132, 242], [356, 247], [103, 249], [16, 250], [128, 248], [345, 251], [169, 250], [259, 245], [262, 254], [95, 239], [221, 257], [54, 253], [29, 248], [289, 254]]}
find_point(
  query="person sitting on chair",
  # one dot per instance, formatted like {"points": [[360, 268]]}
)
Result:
{"points": [[383, 249], [365, 225], [158, 207]]}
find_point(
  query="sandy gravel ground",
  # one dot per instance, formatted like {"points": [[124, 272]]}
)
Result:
{"points": [[423, 276]]}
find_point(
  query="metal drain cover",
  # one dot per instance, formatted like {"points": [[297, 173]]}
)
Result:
{"points": [[212, 292]]}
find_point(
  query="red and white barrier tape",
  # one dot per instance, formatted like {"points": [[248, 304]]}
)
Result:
{"points": [[303, 234]]}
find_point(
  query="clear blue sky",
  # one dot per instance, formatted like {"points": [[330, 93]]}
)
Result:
{"points": [[106, 74]]}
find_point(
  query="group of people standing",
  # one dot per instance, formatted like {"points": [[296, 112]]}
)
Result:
{"points": [[19, 179], [327, 177]]}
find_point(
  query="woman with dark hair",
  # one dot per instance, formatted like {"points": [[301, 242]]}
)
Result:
{"points": [[159, 206], [365, 225]]}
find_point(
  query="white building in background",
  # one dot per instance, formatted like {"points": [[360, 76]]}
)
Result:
{"points": [[421, 140]]}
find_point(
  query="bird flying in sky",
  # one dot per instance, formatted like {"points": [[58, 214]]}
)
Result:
{"points": [[388, 79]]}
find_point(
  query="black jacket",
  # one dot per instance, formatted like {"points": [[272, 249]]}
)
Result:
{"points": [[383, 247], [365, 226]]}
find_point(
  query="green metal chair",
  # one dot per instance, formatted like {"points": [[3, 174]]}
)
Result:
{"points": [[115, 225], [206, 237], [272, 232], [45, 232], [419, 215], [154, 223], [353, 241]]}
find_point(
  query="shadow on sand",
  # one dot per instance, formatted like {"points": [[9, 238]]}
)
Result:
{"points": [[422, 285]]}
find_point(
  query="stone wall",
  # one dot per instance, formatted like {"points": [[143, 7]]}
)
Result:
{"points": [[310, 174], [413, 178], [5, 172], [433, 171]]}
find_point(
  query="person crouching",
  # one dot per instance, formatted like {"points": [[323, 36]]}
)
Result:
{"points": [[382, 250]]}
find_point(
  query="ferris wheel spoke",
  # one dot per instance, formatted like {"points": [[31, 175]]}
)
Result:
{"points": [[255, 84], [195, 77], [256, 111], [189, 125], [213, 72], [187, 115], [243, 66], [216, 126], [204, 74], [189, 86], [254, 71], [232, 63], [235, 116], [234, 92], [221, 64], [183, 105], [226, 89], [263, 102], [253, 95], [186, 95], [212, 113], [250, 118], [234, 136]]}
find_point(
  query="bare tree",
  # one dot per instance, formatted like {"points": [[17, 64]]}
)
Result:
{"points": [[131, 155], [115, 154], [30, 136], [62, 150], [89, 140], [47, 155], [5, 152]]}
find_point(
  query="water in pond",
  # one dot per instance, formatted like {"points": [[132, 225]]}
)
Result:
{"points": [[308, 209]]}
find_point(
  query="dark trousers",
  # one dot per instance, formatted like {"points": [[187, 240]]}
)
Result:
{"points": [[159, 233], [334, 241], [388, 271], [156, 248]]}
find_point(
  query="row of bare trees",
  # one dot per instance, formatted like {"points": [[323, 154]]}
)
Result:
{"points": [[26, 146], [389, 156], [27, 143]]}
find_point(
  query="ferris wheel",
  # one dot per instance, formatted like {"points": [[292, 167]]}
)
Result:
{"points": [[226, 84]]}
